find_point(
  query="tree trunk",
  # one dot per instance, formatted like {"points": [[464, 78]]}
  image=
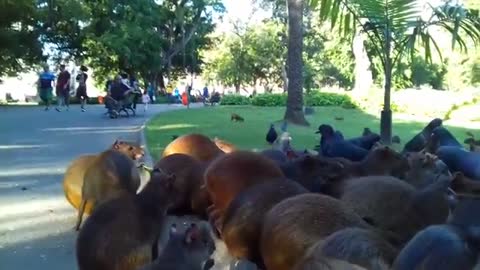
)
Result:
{"points": [[284, 78], [386, 115], [294, 112], [237, 88]]}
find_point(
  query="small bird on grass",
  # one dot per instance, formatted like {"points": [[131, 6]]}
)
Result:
{"points": [[271, 135], [339, 118]]}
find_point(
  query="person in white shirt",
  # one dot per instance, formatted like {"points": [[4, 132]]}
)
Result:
{"points": [[145, 100]]}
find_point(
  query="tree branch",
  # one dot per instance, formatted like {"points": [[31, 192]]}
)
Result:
{"points": [[179, 45]]}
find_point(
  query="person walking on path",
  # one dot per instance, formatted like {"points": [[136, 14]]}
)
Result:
{"points": [[82, 86], [45, 85], [63, 88]]}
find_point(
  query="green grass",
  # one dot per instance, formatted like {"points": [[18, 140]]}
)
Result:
{"points": [[251, 133]]}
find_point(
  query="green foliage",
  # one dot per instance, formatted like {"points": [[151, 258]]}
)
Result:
{"points": [[248, 56], [321, 99], [142, 37], [427, 73], [270, 100], [234, 100], [314, 98], [19, 36]]}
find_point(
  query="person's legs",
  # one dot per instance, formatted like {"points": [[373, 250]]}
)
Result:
{"points": [[135, 101], [66, 100], [83, 102]]}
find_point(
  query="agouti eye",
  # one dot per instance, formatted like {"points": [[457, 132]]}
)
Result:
{"points": [[130, 148]]}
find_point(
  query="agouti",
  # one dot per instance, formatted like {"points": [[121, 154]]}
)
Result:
{"points": [[73, 178], [243, 219], [123, 233], [111, 174], [189, 180], [231, 173], [236, 118], [294, 225], [225, 146], [197, 146]]}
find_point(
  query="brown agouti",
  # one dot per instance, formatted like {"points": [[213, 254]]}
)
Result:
{"points": [[111, 174], [425, 168], [363, 247], [236, 118], [185, 250], [464, 185], [294, 225], [123, 233], [197, 146], [189, 179], [315, 261], [391, 204], [231, 173], [243, 219], [313, 172], [225, 146], [381, 160], [73, 178]]}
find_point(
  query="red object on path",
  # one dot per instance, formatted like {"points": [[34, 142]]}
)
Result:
{"points": [[184, 99], [100, 99]]}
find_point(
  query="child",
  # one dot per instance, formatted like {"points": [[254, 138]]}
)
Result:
{"points": [[145, 99]]}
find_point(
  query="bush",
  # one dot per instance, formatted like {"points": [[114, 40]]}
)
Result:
{"points": [[234, 100], [269, 100], [321, 99]]}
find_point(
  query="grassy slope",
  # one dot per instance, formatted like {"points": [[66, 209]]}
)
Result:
{"points": [[251, 134]]}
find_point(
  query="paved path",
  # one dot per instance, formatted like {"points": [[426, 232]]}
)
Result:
{"points": [[36, 221]]}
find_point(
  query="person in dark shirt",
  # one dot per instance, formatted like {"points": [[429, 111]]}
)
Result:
{"points": [[63, 88], [82, 86], [119, 90], [45, 81]]}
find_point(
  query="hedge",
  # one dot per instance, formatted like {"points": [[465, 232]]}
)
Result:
{"points": [[314, 99], [234, 100]]}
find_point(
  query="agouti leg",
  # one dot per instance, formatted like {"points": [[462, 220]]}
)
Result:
{"points": [[81, 210]]}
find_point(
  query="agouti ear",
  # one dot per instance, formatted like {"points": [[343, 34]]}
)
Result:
{"points": [[116, 144]]}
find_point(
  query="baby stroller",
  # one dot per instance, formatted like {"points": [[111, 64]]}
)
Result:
{"points": [[117, 108]]}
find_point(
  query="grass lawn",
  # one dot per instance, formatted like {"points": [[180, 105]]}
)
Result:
{"points": [[215, 121]]}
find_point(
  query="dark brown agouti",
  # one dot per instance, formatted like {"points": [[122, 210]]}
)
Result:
{"points": [[123, 234], [392, 205], [294, 225], [189, 180], [73, 178], [197, 146], [185, 250], [363, 247], [231, 173], [243, 219], [314, 261], [111, 174]]}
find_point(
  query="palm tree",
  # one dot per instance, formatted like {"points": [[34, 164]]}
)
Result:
{"points": [[396, 28], [294, 112]]}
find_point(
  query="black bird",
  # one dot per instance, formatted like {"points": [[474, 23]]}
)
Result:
{"points": [[271, 135]]}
